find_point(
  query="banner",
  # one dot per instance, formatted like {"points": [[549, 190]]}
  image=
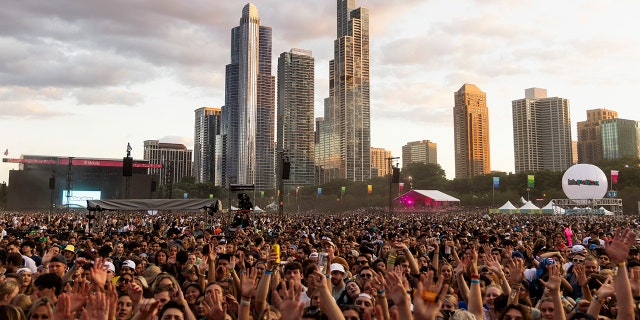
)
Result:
{"points": [[343, 190], [400, 187], [261, 194], [297, 189], [369, 189], [614, 176], [496, 182], [319, 192], [530, 181]]}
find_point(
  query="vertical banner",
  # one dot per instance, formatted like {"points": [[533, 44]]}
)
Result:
{"points": [[262, 194], [614, 177], [343, 190], [185, 195], [210, 195], [319, 192], [400, 187], [496, 182], [297, 189], [530, 181], [369, 189], [278, 193]]}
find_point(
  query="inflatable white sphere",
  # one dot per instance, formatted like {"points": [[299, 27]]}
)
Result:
{"points": [[584, 181]]}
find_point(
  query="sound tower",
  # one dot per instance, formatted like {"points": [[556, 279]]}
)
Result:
{"points": [[286, 170], [52, 182], [396, 175], [127, 167]]}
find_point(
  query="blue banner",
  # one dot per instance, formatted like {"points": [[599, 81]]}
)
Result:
{"points": [[496, 182]]}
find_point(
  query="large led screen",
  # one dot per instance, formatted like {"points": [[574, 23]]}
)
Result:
{"points": [[79, 197]]}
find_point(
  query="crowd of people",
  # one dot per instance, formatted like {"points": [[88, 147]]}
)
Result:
{"points": [[364, 264]]}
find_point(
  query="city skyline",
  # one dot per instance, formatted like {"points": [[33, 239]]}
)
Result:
{"points": [[87, 81]]}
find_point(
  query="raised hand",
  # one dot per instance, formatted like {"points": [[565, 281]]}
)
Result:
{"points": [[63, 308], [291, 307], [517, 271], [618, 248], [248, 283], [148, 308], [581, 275], [135, 292], [98, 272], [425, 309], [606, 289], [213, 305], [395, 288], [553, 284], [97, 307], [492, 264], [78, 295]]}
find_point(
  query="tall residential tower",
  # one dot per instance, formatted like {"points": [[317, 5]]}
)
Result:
{"points": [[345, 130], [249, 111], [471, 132], [295, 136], [207, 145], [541, 132], [590, 137]]}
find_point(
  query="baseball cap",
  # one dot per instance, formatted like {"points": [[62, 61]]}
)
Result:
{"points": [[577, 248], [313, 255], [59, 258], [110, 266], [337, 267], [129, 263]]}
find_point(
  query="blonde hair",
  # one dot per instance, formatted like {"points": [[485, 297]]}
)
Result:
{"points": [[7, 288]]}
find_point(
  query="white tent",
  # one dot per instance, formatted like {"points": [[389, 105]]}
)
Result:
{"points": [[551, 208], [529, 205], [507, 206], [606, 212], [257, 209], [522, 200]]}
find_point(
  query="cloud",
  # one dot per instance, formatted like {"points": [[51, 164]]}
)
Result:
{"points": [[187, 141], [27, 110], [107, 96]]}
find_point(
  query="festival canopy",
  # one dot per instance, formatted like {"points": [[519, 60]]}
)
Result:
{"points": [[529, 206], [508, 206], [153, 204], [426, 198]]}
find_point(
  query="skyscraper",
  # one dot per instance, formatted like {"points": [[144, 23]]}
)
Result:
{"points": [[471, 132], [620, 139], [541, 132], [345, 133], [423, 151], [207, 153], [590, 137], [379, 164], [295, 134], [249, 111], [175, 159]]}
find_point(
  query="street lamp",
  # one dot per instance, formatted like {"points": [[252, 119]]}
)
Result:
{"points": [[410, 183]]}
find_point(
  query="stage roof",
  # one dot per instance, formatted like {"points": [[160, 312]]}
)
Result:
{"points": [[153, 204], [435, 195]]}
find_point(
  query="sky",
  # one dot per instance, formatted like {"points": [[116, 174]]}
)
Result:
{"points": [[84, 78]]}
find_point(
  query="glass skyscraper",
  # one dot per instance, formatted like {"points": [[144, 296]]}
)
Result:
{"points": [[471, 132], [344, 140], [295, 134], [249, 112], [541, 132], [207, 153]]}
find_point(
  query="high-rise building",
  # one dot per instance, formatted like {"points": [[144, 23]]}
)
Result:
{"points": [[175, 159], [379, 163], [295, 134], [590, 137], [423, 151], [345, 132], [248, 116], [541, 132], [207, 146], [620, 139], [471, 132]]}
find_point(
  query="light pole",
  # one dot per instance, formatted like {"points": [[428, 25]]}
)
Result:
{"points": [[410, 183], [391, 178]]}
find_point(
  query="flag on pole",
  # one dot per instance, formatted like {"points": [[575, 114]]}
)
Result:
{"points": [[369, 189], [530, 181], [262, 194], [401, 186], [297, 189], [496, 182], [343, 190], [6, 152], [319, 192], [614, 176]]}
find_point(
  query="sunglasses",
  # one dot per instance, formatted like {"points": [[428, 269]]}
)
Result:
{"points": [[366, 275], [576, 260]]}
